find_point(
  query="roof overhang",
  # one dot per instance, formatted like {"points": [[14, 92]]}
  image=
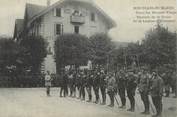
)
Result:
{"points": [[110, 21]]}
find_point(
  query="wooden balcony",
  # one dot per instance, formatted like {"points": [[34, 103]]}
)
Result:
{"points": [[77, 19]]}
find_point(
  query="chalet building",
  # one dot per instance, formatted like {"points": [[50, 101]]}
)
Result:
{"points": [[65, 16]]}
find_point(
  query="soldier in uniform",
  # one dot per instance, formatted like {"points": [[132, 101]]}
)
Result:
{"points": [[48, 83], [131, 88], [70, 83], [78, 83], [174, 83], [83, 83], [96, 84], [121, 81], [111, 88], [103, 86], [167, 80], [89, 83], [64, 83], [74, 84], [156, 89], [143, 87]]}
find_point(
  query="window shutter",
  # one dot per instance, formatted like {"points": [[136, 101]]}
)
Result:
{"points": [[55, 12]]}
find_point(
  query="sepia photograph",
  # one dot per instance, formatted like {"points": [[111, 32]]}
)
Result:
{"points": [[88, 58]]}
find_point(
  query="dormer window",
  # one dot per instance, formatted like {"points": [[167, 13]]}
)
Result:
{"points": [[93, 17], [57, 12]]}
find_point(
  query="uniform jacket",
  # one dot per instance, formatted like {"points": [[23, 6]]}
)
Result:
{"points": [[121, 81], [156, 86], [103, 80], [144, 85], [111, 85], [131, 84], [48, 80]]}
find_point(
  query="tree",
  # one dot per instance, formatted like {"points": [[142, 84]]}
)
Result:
{"points": [[35, 50], [159, 46], [102, 46], [9, 54], [157, 50], [71, 49]]}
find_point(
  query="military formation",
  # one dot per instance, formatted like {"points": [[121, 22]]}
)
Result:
{"points": [[99, 83]]}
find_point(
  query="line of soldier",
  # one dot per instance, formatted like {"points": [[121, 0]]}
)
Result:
{"points": [[111, 83]]}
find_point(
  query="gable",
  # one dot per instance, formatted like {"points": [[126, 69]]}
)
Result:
{"points": [[40, 11], [32, 10], [19, 23]]}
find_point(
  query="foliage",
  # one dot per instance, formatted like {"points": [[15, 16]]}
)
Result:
{"points": [[159, 46], [34, 52], [102, 47], [157, 49], [9, 54], [72, 49]]}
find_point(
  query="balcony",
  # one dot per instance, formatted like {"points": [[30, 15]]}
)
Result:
{"points": [[77, 19]]}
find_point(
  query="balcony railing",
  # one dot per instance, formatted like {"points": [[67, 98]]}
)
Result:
{"points": [[77, 19]]}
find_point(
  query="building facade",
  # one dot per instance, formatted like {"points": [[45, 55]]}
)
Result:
{"points": [[65, 16]]}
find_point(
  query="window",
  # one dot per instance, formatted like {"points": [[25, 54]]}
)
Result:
{"points": [[76, 29], [57, 12], [58, 29], [92, 16]]}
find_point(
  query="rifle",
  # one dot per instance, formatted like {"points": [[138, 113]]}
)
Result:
{"points": [[116, 100], [153, 111]]}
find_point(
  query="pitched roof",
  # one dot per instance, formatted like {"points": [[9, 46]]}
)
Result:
{"points": [[82, 0], [19, 25], [33, 10]]}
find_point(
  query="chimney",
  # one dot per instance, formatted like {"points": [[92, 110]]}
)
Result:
{"points": [[48, 2]]}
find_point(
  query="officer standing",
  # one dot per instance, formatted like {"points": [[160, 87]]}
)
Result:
{"points": [[121, 81], [174, 83], [70, 82], [143, 87], [64, 82], [131, 88], [78, 83], [89, 83], [156, 93], [103, 86], [83, 83], [96, 85], [111, 86], [167, 80], [48, 83]]}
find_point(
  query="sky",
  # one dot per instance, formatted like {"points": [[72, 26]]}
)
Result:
{"points": [[121, 11]]}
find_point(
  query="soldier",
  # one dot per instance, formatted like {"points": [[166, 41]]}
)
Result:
{"points": [[74, 84], [64, 78], [111, 87], [121, 81], [83, 83], [174, 83], [167, 80], [48, 83], [143, 87], [103, 87], [131, 88], [89, 83], [96, 84], [70, 83], [78, 83], [156, 89]]}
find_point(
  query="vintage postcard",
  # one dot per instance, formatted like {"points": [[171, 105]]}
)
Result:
{"points": [[88, 58]]}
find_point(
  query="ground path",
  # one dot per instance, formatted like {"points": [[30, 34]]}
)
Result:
{"points": [[25, 102]]}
